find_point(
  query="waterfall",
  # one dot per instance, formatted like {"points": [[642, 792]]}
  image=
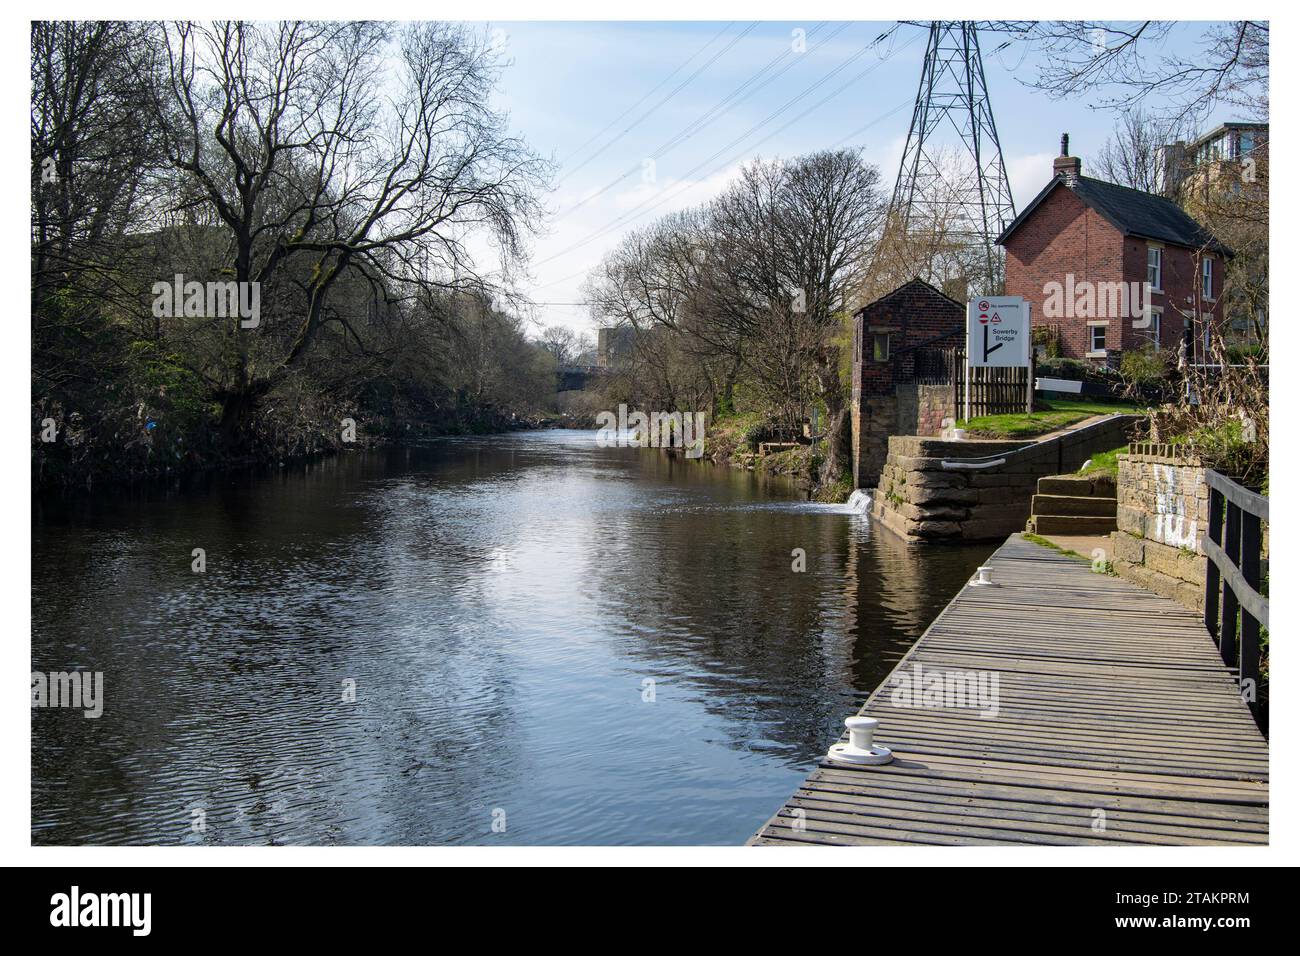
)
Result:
{"points": [[859, 502]]}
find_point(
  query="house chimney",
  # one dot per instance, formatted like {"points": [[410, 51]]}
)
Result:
{"points": [[1066, 165]]}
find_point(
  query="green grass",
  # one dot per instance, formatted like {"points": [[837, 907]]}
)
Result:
{"points": [[1051, 415], [1105, 463], [1107, 568], [1038, 539]]}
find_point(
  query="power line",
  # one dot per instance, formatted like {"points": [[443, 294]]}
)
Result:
{"points": [[577, 152], [637, 211], [726, 104], [693, 127], [677, 89], [857, 132]]}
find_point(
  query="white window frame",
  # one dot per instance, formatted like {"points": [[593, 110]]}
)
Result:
{"points": [[1155, 271], [1092, 340], [1207, 278], [1156, 314]]}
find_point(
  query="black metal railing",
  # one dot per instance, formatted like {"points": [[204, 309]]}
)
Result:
{"points": [[1235, 609], [933, 366]]}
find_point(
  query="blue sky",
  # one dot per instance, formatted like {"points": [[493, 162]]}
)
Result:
{"points": [[568, 84]]}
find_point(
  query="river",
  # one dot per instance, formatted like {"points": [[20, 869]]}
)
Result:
{"points": [[520, 638]]}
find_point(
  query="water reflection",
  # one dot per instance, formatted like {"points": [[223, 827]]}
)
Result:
{"points": [[504, 606]]}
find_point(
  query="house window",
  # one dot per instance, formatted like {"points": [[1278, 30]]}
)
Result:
{"points": [[1156, 315], [1097, 338], [1154, 256], [880, 346], [1207, 278]]}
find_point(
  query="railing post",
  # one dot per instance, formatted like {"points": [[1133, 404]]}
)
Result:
{"points": [[1251, 545], [1211, 569], [1228, 614]]}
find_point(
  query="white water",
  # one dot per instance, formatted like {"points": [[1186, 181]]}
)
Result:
{"points": [[859, 502]]}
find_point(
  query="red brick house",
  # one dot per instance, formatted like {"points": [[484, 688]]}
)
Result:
{"points": [[896, 341], [1089, 256]]}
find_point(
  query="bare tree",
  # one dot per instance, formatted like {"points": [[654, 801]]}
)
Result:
{"points": [[1132, 155], [937, 245], [323, 158], [1135, 64], [564, 344]]}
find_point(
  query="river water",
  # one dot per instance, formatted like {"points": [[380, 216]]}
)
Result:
{"points": [[547, 641]]}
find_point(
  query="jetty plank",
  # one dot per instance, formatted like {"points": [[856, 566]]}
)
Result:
{"points": [[1116, 723]]}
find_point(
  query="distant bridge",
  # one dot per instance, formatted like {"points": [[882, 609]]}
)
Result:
{"points": [[575, 378]]}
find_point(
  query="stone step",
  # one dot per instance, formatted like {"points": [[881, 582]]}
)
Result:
{"points": [[1070, 524], [1094, 486], [1072, 505]]}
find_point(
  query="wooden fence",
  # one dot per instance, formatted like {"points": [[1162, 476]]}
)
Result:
{"points": [[1235, 610], [993, 391]]}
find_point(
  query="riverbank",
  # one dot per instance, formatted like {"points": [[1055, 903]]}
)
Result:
{"points": [[735, 442], [73, 463]]}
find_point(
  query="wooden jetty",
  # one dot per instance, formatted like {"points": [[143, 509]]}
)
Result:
{"points": [[1117, 723]]}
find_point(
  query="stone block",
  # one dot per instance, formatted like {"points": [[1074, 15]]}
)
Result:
{"points": [[945, 496], [1125, 547], [1132, 520], [932, 530], [1175, 563], [938, 513]]}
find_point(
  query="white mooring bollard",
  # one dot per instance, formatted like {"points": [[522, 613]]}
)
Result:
{"points": [[860, 750], [984, 577]]}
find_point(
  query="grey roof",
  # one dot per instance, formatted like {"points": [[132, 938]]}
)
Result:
{"points": [[1132, 212]]}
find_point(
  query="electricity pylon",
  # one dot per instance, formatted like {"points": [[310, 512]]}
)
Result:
{"points": [[964, 193]]}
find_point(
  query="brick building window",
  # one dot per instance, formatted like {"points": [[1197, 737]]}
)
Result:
{"points": [[1154, 264], [880, 346], [1156, 315], [1097, 338], [1207, 278]]}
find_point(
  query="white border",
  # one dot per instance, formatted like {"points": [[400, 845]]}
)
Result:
{"points": [[15, 562]]}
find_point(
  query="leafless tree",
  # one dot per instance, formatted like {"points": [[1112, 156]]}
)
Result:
{"points": [[1134, 64], [564, 344], [334, 150], [1131, 156], [93, 153], [762, 279]]}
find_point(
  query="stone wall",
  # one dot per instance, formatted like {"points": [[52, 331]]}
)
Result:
{"points": [[1163, 508], [922, 409], [929, 491], [911, 410]]}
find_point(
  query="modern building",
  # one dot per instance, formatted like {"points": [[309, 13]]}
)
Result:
{"points": [[1112, 268], [614, 345], [1225, 154]]}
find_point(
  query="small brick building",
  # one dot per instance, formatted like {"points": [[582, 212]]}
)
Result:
{"points": [[895, 340], [1082, 251]]}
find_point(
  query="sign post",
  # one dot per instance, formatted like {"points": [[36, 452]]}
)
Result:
{"points": [[997, 336]]}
